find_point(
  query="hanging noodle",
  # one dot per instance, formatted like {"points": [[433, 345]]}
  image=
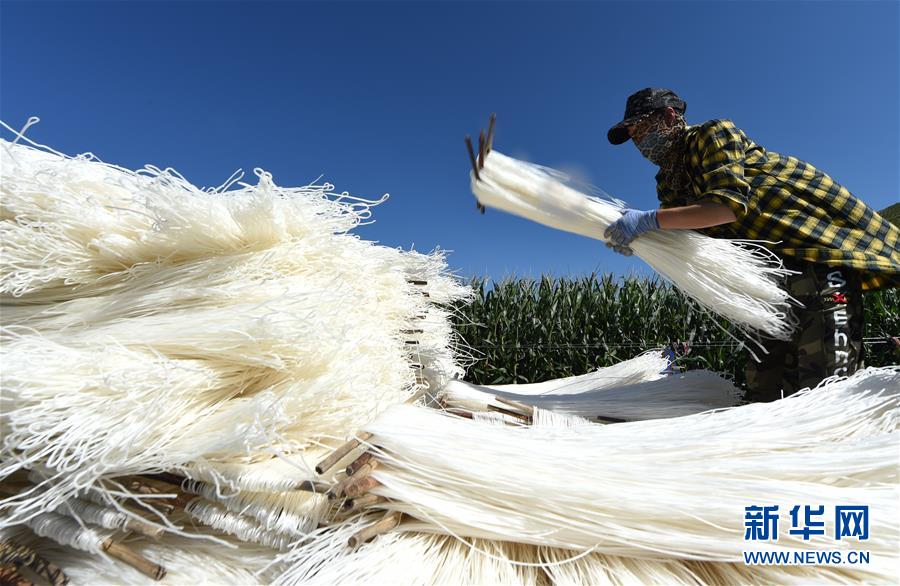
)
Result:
{"points": [[738, 280], [644, 367], [692, 392]]}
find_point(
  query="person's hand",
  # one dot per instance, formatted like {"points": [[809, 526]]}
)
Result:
{"points": [[632, 224], [624, 250]]}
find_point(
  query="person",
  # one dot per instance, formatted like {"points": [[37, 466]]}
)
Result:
{"points": [[714, 179]]}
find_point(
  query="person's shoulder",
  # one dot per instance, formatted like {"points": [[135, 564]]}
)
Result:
{"points": [[715, 133], [716, 125]]}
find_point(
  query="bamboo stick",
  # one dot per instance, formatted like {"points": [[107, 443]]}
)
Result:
{"points": [[362, 472], [360, 487], [136, 525], [604, 419], [472, 157], [388, 522], [10, 576], [358, 463], [143, 528], [515, 414], [22, 555], [527, 410], [364, 501], [481, 150], [312, 486], [149, 485], [341, 452], [490, 134], [460, 412], [167, 477], [134, 559]]}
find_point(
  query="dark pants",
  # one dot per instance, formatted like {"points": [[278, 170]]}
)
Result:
{"points": [[828, 338]]}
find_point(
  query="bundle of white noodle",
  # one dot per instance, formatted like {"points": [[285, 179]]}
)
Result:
{"points": [[215, 560], [645, 367], [736, 279], [420, 558], [231, 335], [673, 396], [667, 488]]}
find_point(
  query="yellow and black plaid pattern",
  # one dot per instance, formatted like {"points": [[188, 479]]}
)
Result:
{"points": [[797, 210]]}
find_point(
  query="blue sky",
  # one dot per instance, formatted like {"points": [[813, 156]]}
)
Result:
{"points": [[377, 97]]}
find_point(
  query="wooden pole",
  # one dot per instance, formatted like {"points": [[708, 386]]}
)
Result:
{"points": [[134, 559], [388, 522]]}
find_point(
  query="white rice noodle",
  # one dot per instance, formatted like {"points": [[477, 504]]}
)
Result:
{"points": [[187, 560], [492, 418], [142, 316], [545, 418], [73, 225], [667, 488], [244, 528], [70, 532], [642, 368], [691, 392], [414, 559], [291, 513], [408, 557], [605, 569], [736, 279], [89, 512]]}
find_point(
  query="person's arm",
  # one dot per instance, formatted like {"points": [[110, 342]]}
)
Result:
{"points": [[693, 217], [633, 223]]}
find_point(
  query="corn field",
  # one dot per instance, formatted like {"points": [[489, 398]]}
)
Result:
{"points": [[525, 330]]}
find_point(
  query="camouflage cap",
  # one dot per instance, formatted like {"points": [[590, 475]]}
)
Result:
{"points": [[641, 104]]}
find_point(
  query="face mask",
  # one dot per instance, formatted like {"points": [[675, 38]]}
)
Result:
{"points": [[657, 143]]}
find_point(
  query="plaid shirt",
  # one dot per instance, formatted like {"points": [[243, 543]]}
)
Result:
{"points": [[799, 211]]}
